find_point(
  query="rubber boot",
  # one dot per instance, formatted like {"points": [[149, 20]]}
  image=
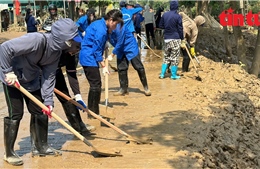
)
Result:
{"points": [[174, 73], [39, 136], [185, 64], [123, 80], [143, 79], [93, 100], [164, 68], [10, 134], [186, 61], [74, 118]]}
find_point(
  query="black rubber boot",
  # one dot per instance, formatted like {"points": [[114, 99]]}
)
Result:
{"points": [[74, 117], [39, 136], [143, 79], [10, 134], [94, 100], [185, 62], [123, 80]]}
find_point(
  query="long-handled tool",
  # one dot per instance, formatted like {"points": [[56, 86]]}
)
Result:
{"points": [[197, 60], [130, 138], [55, 116], [106, 81], [105, 110], [197, 71], [148, 46]]}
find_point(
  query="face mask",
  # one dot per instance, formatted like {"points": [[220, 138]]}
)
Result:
{"points": [[69, 43], [91, 17]]}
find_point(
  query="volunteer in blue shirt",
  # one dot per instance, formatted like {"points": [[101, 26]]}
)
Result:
{"points": [[137, 23], [91, 54], [128, 15], [84, 21], [126, 49]]}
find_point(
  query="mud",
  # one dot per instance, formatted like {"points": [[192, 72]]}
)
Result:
{"points": [[213, 123]]}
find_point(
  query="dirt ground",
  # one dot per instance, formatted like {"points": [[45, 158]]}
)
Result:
{"points": [[213, 123]]}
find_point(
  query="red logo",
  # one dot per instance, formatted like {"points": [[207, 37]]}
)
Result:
{"points": [[228, 18]]}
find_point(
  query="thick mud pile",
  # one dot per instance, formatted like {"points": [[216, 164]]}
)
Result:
{"points": [[227, 132]]}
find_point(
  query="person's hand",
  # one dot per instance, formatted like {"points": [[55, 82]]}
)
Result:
{"points": [[10, 78], [105, 70], [48, 112], [79, 99], [83, 33], [110, 57], [183, 44], [192, 51]]}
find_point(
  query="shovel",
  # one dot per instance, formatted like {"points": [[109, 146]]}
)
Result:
{"points": [[105, 110], [130, 138], [55, 116], [148, 46], [197, 71]]}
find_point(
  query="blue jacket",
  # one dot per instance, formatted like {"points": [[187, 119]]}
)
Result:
{"points": [[31, 24], [83, 23], [124, 42], [171, 22], [128, 15], [138, 19], [93, 44]]}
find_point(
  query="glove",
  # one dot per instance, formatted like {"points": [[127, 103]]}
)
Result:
{"points": [[48, 112], [110, 57], [105, 70], [10, 78], [83, 33], [183, 44], [78, 98], [192, 51]]}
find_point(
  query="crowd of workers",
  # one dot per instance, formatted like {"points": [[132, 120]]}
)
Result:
{"points": [[37, 64]]}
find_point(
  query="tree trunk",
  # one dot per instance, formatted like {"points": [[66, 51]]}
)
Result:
{"points": [[72, 10], [240, 42], [14, 13], [227, 44], [256, 60]]}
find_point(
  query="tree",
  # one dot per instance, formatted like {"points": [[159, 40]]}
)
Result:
{"points": [[255, 68], [240, 42]]}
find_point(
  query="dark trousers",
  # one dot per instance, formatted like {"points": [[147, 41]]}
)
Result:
{"points": [[93, 76], [123, 64], [149, 30], [61, 85], [15, 102]]}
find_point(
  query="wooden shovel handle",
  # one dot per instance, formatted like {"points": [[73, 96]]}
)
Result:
{"points": [[106, 78], [55, 116], [90, 112], [191, 58], [148, 46]]}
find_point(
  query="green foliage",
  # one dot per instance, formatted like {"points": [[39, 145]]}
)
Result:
{"points": [[254, 6], [97, 3]]}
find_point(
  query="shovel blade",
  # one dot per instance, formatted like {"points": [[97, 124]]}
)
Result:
{"points": [[97, 153], [106, 111]]}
